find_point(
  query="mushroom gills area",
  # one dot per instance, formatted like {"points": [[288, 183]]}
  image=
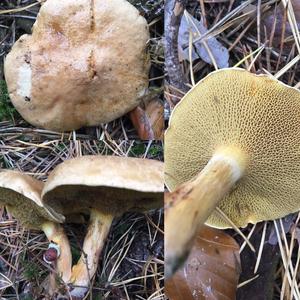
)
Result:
{"points": [[70, 199], [189, 206]]}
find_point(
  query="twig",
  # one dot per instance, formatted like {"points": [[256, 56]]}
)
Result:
{"points": [[173, 13]]}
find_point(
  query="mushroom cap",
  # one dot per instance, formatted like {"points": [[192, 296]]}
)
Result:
{"points": [[22, 195], [84, 64], [110, 184], [257, 114]]}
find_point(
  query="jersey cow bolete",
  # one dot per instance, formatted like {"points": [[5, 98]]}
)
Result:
{"points": [[84, 64], [233, 142]]}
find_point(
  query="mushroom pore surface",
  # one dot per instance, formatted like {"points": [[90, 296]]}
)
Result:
{"points": [[21, 194], [69, 199], [26, 211], [254, 113], [84, 64]]}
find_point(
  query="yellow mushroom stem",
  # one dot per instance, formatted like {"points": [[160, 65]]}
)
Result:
{"points": [[189, 206], [56, 234], [85, 269]]}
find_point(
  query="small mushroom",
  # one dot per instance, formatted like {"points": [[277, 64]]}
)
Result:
{"points": [[104, 187], [84, 64], [233, 142], [21, 195]]}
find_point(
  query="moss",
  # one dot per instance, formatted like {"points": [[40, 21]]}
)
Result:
{"points": [[155, 151], [61, 147], [7, 111], [138, 149], [31, 272]]}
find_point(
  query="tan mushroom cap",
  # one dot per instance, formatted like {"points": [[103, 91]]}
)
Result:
{"points": [[258, 115], [84, 64], [110, 184], [22, 195]]}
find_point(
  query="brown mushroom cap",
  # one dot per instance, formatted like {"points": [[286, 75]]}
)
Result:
{"points": [[22, 195], [256, 114], [110, 184], [84, 64]]}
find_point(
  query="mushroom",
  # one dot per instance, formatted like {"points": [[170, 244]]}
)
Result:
{"points": [[84, 64], [21, 194], [104, 187], [233, 142]]}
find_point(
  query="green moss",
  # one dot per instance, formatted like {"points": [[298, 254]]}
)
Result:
{"points": [[137, 149], [61, 147], [7, 111], [31, 272], [155, 151]]}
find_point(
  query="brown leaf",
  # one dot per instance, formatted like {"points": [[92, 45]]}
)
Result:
{"points": [[141, 123], [155, 113], [211, 271]]}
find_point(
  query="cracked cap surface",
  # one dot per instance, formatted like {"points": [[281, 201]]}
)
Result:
{"points": [[84, 64], [258, 114]]}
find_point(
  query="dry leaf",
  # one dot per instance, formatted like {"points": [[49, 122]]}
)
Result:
{"points": [[190, 24], [155, 113], [211, 271], [141, 123], [287, 222]]}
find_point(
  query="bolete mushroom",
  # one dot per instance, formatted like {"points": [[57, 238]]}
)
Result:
{"points": [[84, 64], [104, 187], [233, 142], [21, 195]]}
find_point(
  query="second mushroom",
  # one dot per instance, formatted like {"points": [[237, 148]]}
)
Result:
{"points": [[21, 195], [233, 142], [104, 187]]}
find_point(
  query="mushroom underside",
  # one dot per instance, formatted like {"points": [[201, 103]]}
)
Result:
{"points": [[71, 199]]}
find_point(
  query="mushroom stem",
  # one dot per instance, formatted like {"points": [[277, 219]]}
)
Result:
{"points": [[55, 233], [189, 206], [85, 269]]}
